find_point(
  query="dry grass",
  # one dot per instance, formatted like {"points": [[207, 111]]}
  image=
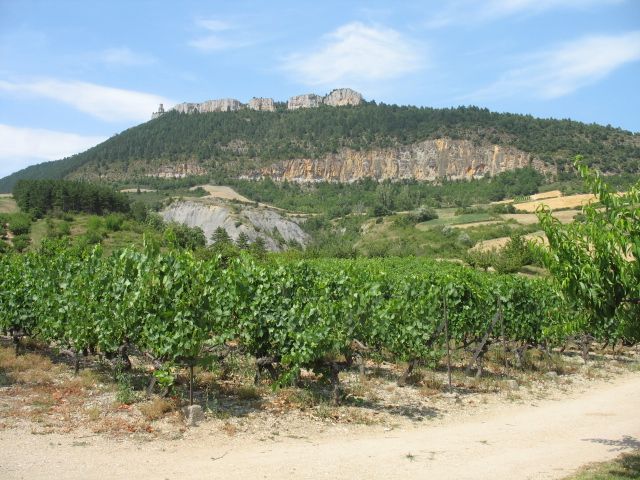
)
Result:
{"points": [[27, 368], [157, 408], [571, 201], [248, 392], [431, 385], [229, 428]]}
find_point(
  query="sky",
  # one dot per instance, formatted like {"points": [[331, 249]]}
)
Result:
{"points": [[74, 73]]}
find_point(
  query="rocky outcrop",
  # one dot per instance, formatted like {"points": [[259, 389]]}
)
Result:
{"points": [[276, 230], [262, 104], [428, 160], [178, 170], [336, 98], [308, 100], [221, 105], [341, 97]]}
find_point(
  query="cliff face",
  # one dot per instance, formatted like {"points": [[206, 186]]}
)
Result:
{"points": [[221, 105], [308, 100], [428, 160], [262, 104], [341, 97], [275, 229], [336, 98]]}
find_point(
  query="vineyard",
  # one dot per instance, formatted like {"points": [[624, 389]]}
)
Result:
{"points": [[322, 315]]}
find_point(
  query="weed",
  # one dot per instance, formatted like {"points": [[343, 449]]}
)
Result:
{"points": [[93, 413], [248, 392], [157, 408], [431, 385], [124, 394], [229, 428], [27, 368]]}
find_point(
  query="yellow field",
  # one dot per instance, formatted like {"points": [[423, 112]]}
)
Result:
{"points": [[543, 195], [226, 193], [8, 204], [502, 241], [571, 201]]}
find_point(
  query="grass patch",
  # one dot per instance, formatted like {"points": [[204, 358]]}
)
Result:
{"points": [[157, 408], [624, 467], [28, 368], [457, 220], [8, 205]]}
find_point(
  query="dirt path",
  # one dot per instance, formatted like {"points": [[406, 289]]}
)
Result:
{"points": [[546, 439]]}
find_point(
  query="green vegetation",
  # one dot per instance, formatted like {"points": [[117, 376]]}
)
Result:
{"points": [[39, 197], [175, 306], [625, 467], [595, 261], [382, 198], [227, 143]]}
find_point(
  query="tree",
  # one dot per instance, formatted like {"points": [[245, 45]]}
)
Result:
{"points": [[220, 236], [596, 262], [243, 241]]}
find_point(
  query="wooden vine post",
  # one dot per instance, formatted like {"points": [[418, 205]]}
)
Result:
{"points": [[446, 334]]}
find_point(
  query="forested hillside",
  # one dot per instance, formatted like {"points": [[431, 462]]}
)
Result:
{"points": [[226, 144]]}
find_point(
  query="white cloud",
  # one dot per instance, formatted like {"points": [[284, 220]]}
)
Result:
{"points": [[566, 68], [106, 103], [356, 53], [221, 35], [213, 24], [124, 56], [21, 147], [472, 11]]}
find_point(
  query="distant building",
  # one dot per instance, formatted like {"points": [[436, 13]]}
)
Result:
{"points": [[159, 113]]}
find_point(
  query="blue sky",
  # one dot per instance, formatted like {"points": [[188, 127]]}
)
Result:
{"points": [[73, 73]]}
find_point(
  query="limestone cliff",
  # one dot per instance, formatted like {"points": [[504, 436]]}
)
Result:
{"points": [[336, 98], [308, 100], [262, 104], [428, 160], [220, 105], [341, 97]]}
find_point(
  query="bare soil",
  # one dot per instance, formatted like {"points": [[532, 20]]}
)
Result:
{"points": [[54, 424]]}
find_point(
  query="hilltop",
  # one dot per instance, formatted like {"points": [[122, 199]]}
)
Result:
{"points": [[343, 144]]}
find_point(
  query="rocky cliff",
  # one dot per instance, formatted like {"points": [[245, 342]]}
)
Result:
{"points": [[262, 104], [276, 230], [308, 100], [341, 97], [220, 105], [428, 160], [336, 98]]}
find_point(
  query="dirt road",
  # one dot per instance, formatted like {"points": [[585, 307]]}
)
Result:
{"points": [[547, 439]]}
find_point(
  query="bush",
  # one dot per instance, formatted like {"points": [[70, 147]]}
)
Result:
{"points": [[19, 224], [465, 239], [425, 213], [114, 221], [21, 242]]}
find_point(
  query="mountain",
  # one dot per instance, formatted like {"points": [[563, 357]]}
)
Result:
{"points": [[343, 143]]}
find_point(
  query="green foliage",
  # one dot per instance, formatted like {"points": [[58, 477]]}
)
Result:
{"points": [[220, 236], [19, 223], [228, 143], [39, 197], [179, 235], [21, 242], [425, 213], [301, 314], [595, 261], [382, 198]]}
